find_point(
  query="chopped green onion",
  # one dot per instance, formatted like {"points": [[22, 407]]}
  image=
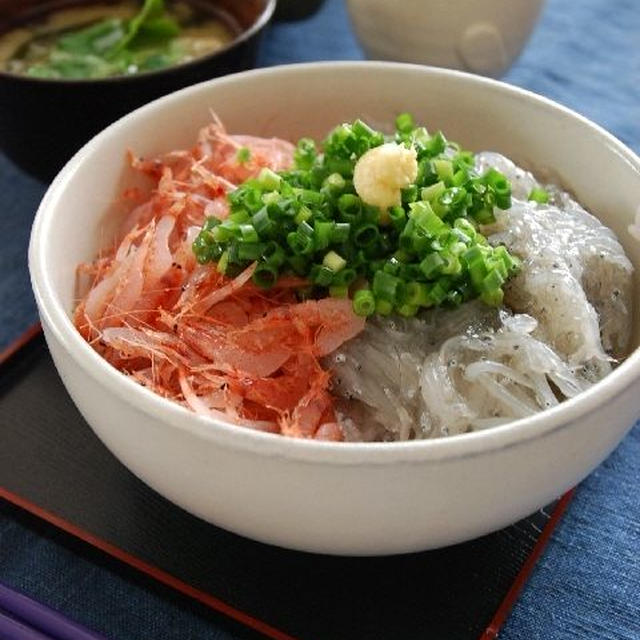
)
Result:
{"points": [[454, 297], [476, 187], [210, 223], [243, 155], [248, 233], [238, 216], [484, 216], [424, 217], [436, 144], [451, 265], [465, 226], [262, 222], [274, 254], [500, 186], [497, 180], [309, 221], [323, 233], [404, 123], [512, 263], [310, 198], [463, 160], [454, 198], [345, 277], [265, 275], [460, 177], [438, 292], [392, 266], [272, 197], [407, 310], [398, 217], [299, 264], [539, 195], [409, 194], [321, 275], [305, 229], [349, 205], [493, 280], [305, 153], [268, 180], [299, 243], [304, 213], [364, 303], [493, 298], [503, 201], [383, 307], [444, 169], [385, 286], [250, 250], [338, 291], [433, 191], [362, 129], [478, 272], [431, 265], [338, 167], [340, 232], [418, 294], [334, 183], [334, 261], [223, 262], [365, 235], [223, 232]]}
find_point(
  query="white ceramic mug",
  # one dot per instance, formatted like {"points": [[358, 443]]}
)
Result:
{"points": [[482, 36]]}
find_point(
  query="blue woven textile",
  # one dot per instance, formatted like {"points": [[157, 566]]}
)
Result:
{"points": [[583, 54]]}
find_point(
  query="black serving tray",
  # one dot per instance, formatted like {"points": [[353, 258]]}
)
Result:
{"points": [[53, 466]]}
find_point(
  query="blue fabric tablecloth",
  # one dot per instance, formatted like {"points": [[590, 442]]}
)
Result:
{"points": [[585, 55]]}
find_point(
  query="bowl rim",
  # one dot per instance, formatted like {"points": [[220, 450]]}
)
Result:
{"points": [[259, 23], [56, 320]]}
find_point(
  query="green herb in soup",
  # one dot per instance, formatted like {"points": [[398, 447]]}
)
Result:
{"points": [[101, 41]]}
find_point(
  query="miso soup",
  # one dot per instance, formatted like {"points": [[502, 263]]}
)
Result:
{"points": [[105, 40]]}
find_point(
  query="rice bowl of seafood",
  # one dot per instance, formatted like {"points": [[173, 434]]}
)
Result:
{"points": [[348, 329]]}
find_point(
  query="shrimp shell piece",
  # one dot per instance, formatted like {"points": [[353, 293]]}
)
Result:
{"points": [[203, 305], [198, 405]]}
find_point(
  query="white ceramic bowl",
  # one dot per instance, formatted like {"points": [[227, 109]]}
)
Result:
{"points": [[328, 497], [483, 36]]}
